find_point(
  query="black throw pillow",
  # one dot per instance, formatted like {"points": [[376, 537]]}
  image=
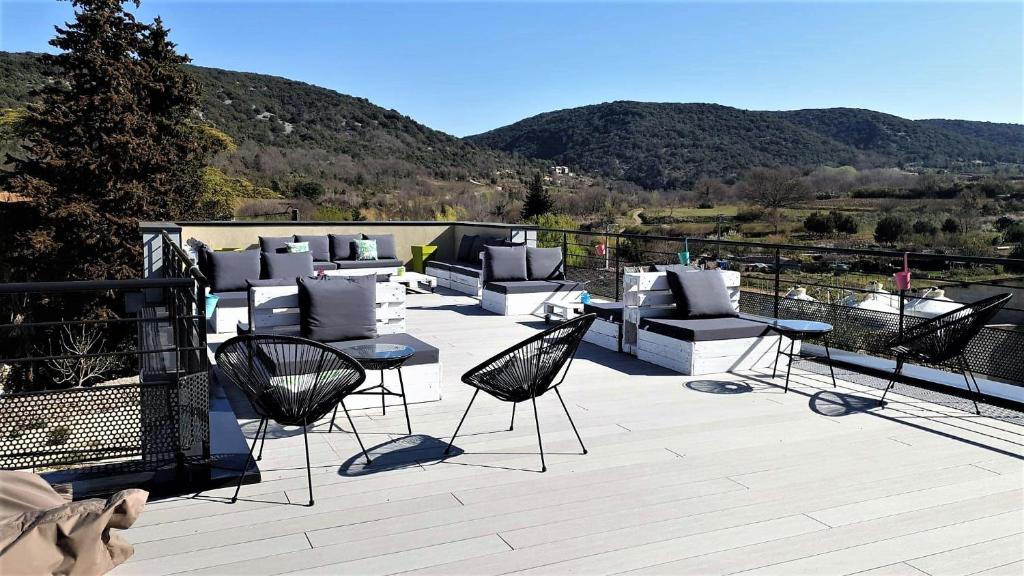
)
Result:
{"points": [[319, 247], [230, 270], [275, 244], [544, 264], [505, 264], [290, 265], [704, 293], [476, 250], [465, 247], [338, 308], [341, 246], [385, 245]]}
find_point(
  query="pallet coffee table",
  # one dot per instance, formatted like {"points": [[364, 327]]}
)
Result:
{"points": [[414, 280]]}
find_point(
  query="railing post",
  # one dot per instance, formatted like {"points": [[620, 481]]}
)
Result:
{"points": [[778, 272], [565, 252], [618, 280]]}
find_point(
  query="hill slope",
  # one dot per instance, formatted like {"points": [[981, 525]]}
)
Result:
{"points": [[1009, 135], [663, 145], [286, 128]]}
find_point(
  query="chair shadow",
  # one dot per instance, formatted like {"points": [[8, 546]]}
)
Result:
{"points": [[835, 404], [464, 309], [719, 387], [396, 454]]}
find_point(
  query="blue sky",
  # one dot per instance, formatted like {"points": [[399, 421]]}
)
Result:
{"points": [[468, 67]]}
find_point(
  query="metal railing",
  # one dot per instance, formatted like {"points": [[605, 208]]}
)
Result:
{"points": [[103, 372], [836, 278]]}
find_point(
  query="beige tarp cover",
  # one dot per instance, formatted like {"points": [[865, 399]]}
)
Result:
{"points": [[42, 533]]}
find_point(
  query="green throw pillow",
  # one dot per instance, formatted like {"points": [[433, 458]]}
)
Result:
{"points": [[297, 247], [366, 249]]}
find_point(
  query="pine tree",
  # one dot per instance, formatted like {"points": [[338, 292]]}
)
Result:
{"points": [[112, 142], [538, 201]]}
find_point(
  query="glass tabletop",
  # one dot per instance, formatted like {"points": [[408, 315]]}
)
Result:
{"points": [[378, 351], [805, 326]]}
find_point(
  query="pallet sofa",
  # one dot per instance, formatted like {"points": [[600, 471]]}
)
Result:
{"points": [[606, 331], [332, 254], [465, 272], [655, 331], [519, 280], [273, 308]]}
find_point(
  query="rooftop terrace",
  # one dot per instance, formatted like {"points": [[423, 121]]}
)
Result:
{"points": [[724, 474]]}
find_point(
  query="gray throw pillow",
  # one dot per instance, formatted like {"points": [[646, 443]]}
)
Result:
{"points": [[338, 308], [385, 245], [505, 264], [275, 244], [475, 250], [704, 292], [341, 246], [319, 246], [230, 270], [544, 264], [466, 247], [290, 265]]}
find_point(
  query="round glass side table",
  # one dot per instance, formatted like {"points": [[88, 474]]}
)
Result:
{"points": [[382, 357], [799, 330]]}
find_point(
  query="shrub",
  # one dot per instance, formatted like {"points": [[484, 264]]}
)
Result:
{"points": [[819, 223], [951, 226], [309, 190], [891, 229], [749, 214], [925, 227], [1014, 233], [844, 223]]}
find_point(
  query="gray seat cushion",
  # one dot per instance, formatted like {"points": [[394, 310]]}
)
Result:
{"points": [[611, 311], [360, 264], [544, 263], [233, 299], [287, 265], [324, 265], [230, 270], [425, 353], [341, 246], [319, 246], [532, 286], [505, 264], [704, 329], [275, 244], [338, 307]]}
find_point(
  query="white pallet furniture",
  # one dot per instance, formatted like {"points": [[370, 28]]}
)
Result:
{"points": [[414, 280], [647, 295], [456, 277], [562, 310], [510, 303], [225, 318], [606, 331], [276, 309]]}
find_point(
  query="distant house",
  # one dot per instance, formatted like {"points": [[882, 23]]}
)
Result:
{"points": [[561, 171]]}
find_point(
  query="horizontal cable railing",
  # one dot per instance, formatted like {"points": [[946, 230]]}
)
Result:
{"points": [[851, 288]]}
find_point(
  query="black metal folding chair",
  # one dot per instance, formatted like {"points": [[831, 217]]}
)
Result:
{"points": [[944, 338], [292, 381], [528, 370]]}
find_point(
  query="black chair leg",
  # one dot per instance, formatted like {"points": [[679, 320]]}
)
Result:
{"points": [[401, 384], [309, 472], [263, 440], [789, 363], [571, 423], [536, 420], [512, 423], [241, 476], [459, 427], [828, 356], [333, 416], [965, 368], [383, 407], [892, 382], [356, 432], [778, 352]]}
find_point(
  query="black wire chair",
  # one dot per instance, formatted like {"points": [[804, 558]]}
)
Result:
{"points": [[528, 370], [292, 381], [944, 338]]}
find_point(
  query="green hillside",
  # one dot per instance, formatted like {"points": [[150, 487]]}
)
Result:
{"points": [[663, 145], [1009, 135]]}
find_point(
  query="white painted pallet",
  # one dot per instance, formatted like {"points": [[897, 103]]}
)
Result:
{"points": [[524, 304], [277, 307], [604, 333], [714, 357], [422, 384], [453, 280]]}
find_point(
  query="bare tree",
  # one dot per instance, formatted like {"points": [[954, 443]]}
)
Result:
{"points": [[774, 189], [76, 367], [709, 191]]}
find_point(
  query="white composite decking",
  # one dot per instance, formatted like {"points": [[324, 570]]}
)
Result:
{"points": [[679, 480]]}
